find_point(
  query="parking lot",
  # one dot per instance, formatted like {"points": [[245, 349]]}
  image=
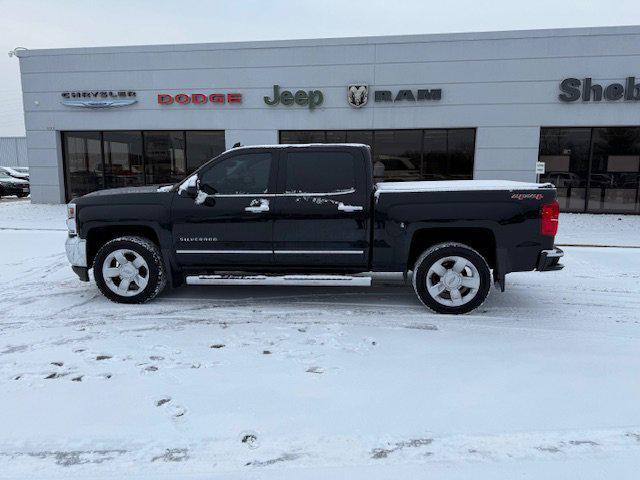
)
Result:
{"points": [[340, 382]]}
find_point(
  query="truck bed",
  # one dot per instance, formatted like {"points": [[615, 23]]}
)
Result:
{"points": [[457, 185], [500, 213]]}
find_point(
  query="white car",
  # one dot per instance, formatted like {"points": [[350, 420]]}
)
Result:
{"points": [[13, 186], [16, 172]]}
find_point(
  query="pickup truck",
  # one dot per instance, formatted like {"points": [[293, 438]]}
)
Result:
{"points": [[312, 215]]}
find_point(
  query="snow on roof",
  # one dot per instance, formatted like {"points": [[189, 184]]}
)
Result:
{"points": [[302, 145], [456, 185]]}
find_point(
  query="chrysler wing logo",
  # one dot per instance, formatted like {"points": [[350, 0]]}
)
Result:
{"points": [[99, 98], [357, 95], [98, 103]]}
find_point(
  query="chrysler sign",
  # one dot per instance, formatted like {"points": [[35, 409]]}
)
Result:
{"points": [[99, 98]]}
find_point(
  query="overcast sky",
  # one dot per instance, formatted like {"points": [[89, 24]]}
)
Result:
{"points": [[76, 23]]}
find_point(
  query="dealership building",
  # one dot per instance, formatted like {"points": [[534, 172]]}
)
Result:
{"points": [[432, 107]]}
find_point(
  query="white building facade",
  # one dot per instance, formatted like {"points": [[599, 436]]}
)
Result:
{"points": [[13, 152], [474, 105]]}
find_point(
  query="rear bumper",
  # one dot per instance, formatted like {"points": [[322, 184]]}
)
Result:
{"points": [[549, 260]]}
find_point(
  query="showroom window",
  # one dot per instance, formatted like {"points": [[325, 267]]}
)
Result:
{"points": [[594, 169], [123, 164], [202, 147], [83, 163], [165, 155], [111, 159], [405, 155]]}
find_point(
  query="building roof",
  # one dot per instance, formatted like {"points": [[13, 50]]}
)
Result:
{"points": [[371, 40]]}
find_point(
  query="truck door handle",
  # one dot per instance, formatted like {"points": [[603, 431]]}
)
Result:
{"points": [[263, 207], [349, 208]]}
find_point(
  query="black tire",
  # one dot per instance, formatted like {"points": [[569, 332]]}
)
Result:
{"points": [[155, 273], [23, 195], [473, 297]]}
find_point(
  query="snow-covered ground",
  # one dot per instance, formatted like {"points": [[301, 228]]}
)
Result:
{"points": [[268, 382]]}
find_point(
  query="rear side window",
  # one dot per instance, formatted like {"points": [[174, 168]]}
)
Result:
{"points": [[320, 172]]}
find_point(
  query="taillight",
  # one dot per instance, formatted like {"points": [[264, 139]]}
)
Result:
{"points": [[549, 218]]}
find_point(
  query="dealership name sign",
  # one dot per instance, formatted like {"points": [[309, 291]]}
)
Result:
{"points": [[199, 98], [358, 95], [310, 98], [574, 89], [99, 98]]}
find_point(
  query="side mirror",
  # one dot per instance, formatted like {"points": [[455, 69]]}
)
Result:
{"points": [[190, 187], [191, 191], [210, 201]]}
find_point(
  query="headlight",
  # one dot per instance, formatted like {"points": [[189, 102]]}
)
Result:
{"points": [[71, 219]]}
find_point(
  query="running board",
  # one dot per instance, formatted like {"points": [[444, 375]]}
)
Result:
{"points": [[293, 280]]}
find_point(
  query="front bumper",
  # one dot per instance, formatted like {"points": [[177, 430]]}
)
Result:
{"points": [[549, 260], [76, 249]]}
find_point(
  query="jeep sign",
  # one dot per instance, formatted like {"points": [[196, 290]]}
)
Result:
{"points": [[310, 99]]}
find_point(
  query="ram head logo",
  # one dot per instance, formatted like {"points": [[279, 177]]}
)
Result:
{"points": [[357, 95]]}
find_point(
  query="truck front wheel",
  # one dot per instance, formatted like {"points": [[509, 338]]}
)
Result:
{"points": [[451, 278], [129, 270]]}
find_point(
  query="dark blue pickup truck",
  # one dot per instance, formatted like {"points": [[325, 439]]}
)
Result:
{"points": [[312, 214]]}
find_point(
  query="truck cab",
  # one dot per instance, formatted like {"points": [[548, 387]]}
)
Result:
{"points": [[277, 209]]}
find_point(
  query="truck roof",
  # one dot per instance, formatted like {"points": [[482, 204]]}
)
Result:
{"points": [[303, 145]]}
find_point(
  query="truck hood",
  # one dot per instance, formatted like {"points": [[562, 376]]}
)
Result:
{"points": [[130, 190]]}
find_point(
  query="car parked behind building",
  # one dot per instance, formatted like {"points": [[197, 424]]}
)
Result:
{"points": [[10, 185], [16, 172]]}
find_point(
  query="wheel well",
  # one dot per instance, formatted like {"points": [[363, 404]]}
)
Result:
{"points": [[97, 237], [480, 239]]}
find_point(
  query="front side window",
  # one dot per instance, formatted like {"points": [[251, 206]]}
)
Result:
{"points": [[239, 175], [320, 172]]}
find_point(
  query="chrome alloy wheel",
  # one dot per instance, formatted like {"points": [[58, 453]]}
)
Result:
{"points": [[453, 281], [125, 272]]}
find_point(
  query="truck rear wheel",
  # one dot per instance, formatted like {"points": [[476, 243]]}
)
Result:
{"points": [[129, 270], [451, 278]]}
